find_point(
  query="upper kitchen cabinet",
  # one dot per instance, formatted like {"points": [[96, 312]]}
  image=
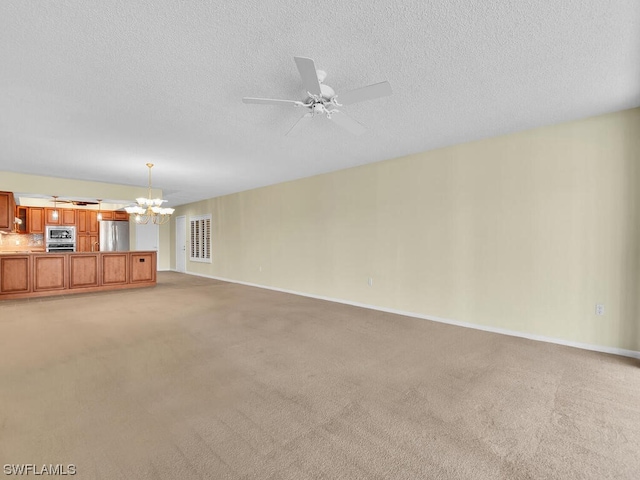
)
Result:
{"points": [[35, 219], [31, 219], [22, 214], [93, 227], [66, 216], [81, 222], [120, 215], [7, 211]]}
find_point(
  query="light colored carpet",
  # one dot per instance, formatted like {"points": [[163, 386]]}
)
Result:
{"points": [[197, 378]]}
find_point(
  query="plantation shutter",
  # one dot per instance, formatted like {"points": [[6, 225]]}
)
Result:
{"points": [[200, 238]]}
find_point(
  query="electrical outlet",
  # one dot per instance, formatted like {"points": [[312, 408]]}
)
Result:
{"points": [[599, 309], [370, 281]]}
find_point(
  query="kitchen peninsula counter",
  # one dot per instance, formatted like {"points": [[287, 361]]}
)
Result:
{"points": [[25, 275]]}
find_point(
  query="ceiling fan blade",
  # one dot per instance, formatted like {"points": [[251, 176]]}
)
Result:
{"points": [[307, 70], [348, 123], [270, 101], [302, 121], [369, 92]]}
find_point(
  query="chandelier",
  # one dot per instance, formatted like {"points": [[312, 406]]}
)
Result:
{"points": [[150, 209]]}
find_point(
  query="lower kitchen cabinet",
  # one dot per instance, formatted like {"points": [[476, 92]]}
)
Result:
{"points": [[143, 267], [49, 272], [115, 268], [45, 274], [15, 275], [84, 270]]}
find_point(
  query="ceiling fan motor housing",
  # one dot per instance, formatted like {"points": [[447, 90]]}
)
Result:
{"points": [[322, 99], [327, 94]]}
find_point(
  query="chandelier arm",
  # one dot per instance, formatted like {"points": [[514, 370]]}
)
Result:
{"points": [[149, 209]]}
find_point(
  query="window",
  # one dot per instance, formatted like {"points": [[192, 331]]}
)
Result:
{"points": [[200, 238]]}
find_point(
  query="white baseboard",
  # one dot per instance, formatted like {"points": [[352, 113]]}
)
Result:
{"points": [[513, 333]]}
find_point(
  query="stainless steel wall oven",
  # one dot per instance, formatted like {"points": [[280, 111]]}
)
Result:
{"points": [[60, 239]]}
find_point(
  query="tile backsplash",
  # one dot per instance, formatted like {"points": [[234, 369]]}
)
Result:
{"points": [[19, 241]]}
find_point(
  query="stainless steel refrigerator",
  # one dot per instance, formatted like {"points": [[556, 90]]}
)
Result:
{"points": [[114, 236]]}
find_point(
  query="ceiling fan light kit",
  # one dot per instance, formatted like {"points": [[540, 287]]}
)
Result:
{"points": [[322, 99]]}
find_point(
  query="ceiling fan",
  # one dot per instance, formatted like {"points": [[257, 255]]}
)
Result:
{"points": [[77, 203], [322, 100]]}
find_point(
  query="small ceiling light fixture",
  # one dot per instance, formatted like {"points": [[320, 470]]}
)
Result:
{"points": [[99, 216], [149, 209], [54, 214]]}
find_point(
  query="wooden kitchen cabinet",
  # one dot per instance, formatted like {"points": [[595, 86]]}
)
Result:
{"points": [[118, 215], [47, 274], [48, 216], [82, 243], [93, 226], [115, 268], [84, 271], [35, 220], [66, 216], [32, 219], [22, 213], [15, 275], [87, 222], [107, 215], [7, 211], [143, 267], [87, 243], [81, 222], [87, 229]]}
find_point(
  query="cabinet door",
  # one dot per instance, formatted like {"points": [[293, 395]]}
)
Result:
{"points": [[49, 220], [92, 216], [81, 222], [68, 217], [143, 267], [49, 272], [14, 274], [83, 271], [87, 243], [36, 220], [82, 243], [118, 215], [7, 211], [23, 214], [107, 215], [115, 268]]}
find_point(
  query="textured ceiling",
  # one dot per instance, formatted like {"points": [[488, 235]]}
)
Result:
{"points": [[94, 90]]}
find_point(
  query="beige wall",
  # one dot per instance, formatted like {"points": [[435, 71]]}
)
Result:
{"points": [[524, 232]]}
